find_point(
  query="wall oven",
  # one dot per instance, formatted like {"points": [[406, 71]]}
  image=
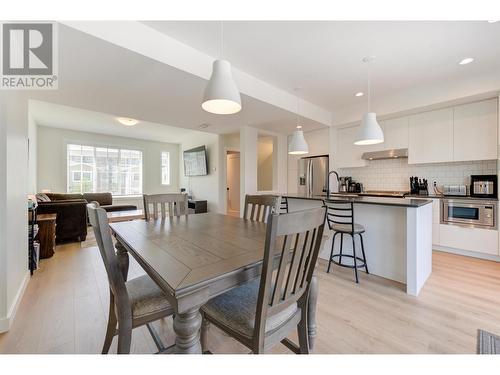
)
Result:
{"points": [[469, 212]]}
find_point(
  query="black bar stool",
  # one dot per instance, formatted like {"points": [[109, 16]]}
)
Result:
{"points": [[340, 217]]}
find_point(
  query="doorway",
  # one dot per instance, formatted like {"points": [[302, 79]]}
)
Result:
{"points": [[233, 183]]}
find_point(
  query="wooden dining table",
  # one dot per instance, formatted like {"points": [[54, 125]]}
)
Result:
{"points": [[195, 258]]}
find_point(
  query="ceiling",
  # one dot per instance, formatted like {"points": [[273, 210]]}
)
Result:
{"points": [[64, 117], [98, 76], [324, 58]]}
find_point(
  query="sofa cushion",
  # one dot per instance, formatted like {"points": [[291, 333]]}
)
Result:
{"points": [[41, 197], [64, 197], [104, 199], [119, 207]]}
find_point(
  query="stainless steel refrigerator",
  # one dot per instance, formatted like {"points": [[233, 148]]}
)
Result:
{"points": [[313, 175]]}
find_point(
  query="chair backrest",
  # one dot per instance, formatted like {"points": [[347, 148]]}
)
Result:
{"points": [[284, 205], [259, 207], [292, 246], [175, 204], [99, 220], [340, 212]]}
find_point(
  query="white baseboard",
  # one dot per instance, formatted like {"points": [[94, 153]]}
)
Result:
{"points": [[466, 253], [6, 322]]}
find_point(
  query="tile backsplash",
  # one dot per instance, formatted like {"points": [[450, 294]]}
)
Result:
{"points": [[394, 174]]}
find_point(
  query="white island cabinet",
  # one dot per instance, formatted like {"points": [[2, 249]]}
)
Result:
{"points": [[398, 237]]}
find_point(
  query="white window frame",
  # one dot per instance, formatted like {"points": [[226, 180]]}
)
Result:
{"points": [[68, 142], [169, 174]]}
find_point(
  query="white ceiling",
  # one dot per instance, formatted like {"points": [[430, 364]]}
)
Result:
{"points": [[64, 117], [324, 58], [97, 76]]}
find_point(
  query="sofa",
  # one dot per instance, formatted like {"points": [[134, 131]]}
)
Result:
{"points": [[71, 210]]}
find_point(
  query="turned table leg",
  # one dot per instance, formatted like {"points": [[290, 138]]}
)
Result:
{"points": [[122, 257], [311, 311], [187, 330]]}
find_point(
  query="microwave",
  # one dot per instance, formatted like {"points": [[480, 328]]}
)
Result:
{"points": [[469, 212], [483, 186]]}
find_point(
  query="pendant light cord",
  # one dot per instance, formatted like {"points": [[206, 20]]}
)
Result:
{"points": [[298, 106], [369, 87], [221, 39]]}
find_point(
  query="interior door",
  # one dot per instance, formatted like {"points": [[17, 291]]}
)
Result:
{"points": [[233, 182]]}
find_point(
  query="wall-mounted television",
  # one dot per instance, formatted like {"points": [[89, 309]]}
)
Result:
{"points": [[196, 162]]}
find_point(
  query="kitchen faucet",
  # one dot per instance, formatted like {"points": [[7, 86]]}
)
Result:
{"points": [[328, 182]]}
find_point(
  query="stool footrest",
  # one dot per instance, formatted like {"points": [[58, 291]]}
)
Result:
{"points": [[361, 265]]}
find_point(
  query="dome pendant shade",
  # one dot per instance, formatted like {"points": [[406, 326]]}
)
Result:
{"points": [[298, 144], [221, 94], [370, 132]]}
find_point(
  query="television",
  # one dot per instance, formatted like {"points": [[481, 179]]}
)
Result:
{"points": [[196, 162]]}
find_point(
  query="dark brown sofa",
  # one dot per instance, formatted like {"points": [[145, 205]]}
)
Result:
{"points": [[71, 210], [71, 220]]}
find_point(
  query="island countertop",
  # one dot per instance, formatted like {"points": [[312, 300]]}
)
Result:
{"points": [[384, 201]]}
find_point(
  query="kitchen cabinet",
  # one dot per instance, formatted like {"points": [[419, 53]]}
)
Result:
{"points": [[466, 238], [348, 154], [395, 133], [430, 137], [475, 131]]}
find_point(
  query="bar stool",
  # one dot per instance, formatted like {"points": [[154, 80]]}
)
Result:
{"points": [[340, 218]]}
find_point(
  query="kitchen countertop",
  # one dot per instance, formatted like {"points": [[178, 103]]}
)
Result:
{"points": [[384, 201], [434, 196]]}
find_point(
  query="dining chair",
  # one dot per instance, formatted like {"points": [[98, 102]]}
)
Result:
{"points": [[262, 312], [259, 207], [175, 203], [284, 205], [132, 303]]}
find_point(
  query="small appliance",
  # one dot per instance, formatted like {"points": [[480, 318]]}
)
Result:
{"points": [[469, 213], [459, 190], [483, 186]]}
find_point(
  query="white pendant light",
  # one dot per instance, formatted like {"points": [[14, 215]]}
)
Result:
{"points": [[298, 144], [221, 94], [370, 132]]}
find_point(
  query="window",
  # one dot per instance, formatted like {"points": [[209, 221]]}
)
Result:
{"points": [[101, 169], [165, 168]]}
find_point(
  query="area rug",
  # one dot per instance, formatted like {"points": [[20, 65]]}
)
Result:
{"points": [[487, 343]]}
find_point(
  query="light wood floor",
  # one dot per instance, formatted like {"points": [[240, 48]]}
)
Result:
{"points": [[64, 310]]}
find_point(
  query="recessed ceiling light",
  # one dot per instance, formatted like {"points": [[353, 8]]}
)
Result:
{"points": [[358, 94], [492, 21], [466, 61], [127, 121], [203, 126]]}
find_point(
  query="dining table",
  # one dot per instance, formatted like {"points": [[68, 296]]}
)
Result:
{"points": [[194, 258]]}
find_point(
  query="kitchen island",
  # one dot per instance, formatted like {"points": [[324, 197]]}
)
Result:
{"points": [[398, 237]]}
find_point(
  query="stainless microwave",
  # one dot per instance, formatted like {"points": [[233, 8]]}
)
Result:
{"points": [[469, 212]]}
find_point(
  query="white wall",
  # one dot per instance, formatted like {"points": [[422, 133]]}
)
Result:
{"points": [[13, 203], [203, 187], [33, 155], [265, 164], [52, 144]]}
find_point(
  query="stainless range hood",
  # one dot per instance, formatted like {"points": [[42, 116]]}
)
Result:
{"points": [[386, 154]]}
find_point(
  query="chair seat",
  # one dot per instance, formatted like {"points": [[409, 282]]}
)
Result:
{"points": [[146, 298], [347, 228], [236, 309]]}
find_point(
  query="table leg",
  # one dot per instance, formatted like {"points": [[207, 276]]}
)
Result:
{"points": [[311, 311], [187, 330], [122, 257]]}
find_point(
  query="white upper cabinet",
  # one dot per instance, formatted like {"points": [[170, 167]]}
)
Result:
{"points": [[395, 133], [431, 137], [348, 154], [475, 131]]}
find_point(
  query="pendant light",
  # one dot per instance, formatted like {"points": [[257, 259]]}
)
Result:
{"points": [[298, 144], [221, 94], [370, 132]]}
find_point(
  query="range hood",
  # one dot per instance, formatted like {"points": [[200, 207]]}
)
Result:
{"points": [[386, 154]]}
